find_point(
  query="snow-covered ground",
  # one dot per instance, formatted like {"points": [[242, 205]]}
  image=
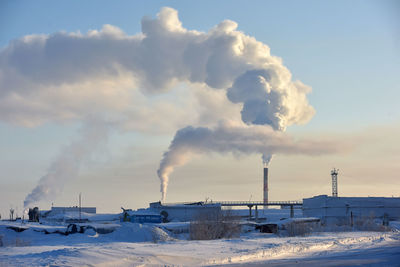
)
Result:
{"points": [[137, 245]]}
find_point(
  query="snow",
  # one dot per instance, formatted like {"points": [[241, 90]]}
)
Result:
{"points": [[395, 225], [132, 244]]}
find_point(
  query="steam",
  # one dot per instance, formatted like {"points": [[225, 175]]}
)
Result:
{"points": [[68, 163], [37, 72], [253, 78], [238, 140], [266, 159], [270, 98], [70, 76]]}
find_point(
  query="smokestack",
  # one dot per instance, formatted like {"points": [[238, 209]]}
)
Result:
{"points": [[265, 185], [334, 174]]}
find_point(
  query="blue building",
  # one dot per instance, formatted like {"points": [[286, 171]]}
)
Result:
{"points": [[141, 216]]}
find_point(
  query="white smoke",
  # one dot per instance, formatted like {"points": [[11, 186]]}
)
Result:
{"points": [[266, 159], [69, 76], [68, 163], [62, 75], [236, 139], [270, 98]]}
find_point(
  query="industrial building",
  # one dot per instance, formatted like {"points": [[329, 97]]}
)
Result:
{"points": [[141, 216], [184, 211], [63, 210], [57, 210], [345, 210]]}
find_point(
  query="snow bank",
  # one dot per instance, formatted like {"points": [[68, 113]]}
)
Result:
{"points": [[395, 225], [304, 246], [134, 245], [135, 232], [35, 234]]}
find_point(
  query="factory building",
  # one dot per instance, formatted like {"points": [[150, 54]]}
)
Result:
{"points": [[141, 216], [184, 212], [346, 210], [63, 210]]}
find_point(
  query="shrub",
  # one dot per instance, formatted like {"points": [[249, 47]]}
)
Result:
{"points": [[302, 228], [369, 224], [209, 226]]}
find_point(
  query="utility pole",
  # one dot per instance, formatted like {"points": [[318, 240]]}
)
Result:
{"points": [[334, 174], [80, 207]]}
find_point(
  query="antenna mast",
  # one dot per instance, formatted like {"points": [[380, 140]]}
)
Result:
{"points": [[334, 174]]}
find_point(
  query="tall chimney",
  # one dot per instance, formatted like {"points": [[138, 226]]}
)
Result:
{"points": [[265, 185]]}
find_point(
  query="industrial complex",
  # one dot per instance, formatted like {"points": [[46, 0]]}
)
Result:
{"points": [[317, 210]]}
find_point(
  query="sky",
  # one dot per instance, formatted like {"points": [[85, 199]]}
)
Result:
{"points": [[52, 111]]}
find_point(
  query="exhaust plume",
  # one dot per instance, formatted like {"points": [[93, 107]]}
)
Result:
{"points": [[69, 76], [68, 163], [103, 66], [266, 159], [236, 139]]}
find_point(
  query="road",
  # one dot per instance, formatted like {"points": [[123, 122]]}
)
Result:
{"points": [[388, 255]]}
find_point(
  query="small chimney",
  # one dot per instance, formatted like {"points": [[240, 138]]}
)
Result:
{"points": [[265, 185]]}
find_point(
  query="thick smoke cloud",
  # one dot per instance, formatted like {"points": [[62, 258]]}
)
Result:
{"points": [[271, 99], [236, 139], [109, 74], [68, 163], [92, 73]]}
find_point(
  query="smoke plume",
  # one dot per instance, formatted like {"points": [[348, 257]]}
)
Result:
{"points": [[68, 163], [266, 159], [61, 76], [238, 140], [70, 76]]}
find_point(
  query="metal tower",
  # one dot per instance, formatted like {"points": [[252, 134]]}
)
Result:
{"points": [[334, 174]]}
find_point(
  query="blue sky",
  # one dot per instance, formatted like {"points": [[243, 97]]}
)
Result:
{"points": [[347, 51]]}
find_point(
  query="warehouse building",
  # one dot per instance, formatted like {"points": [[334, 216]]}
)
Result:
{"points": [[185, 212], [346, 210]]}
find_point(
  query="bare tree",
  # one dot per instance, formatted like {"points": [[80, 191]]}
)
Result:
{"points": [[11, 214]]}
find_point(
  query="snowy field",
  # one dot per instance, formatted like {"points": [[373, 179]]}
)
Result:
{"points": [[147, 245]]}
